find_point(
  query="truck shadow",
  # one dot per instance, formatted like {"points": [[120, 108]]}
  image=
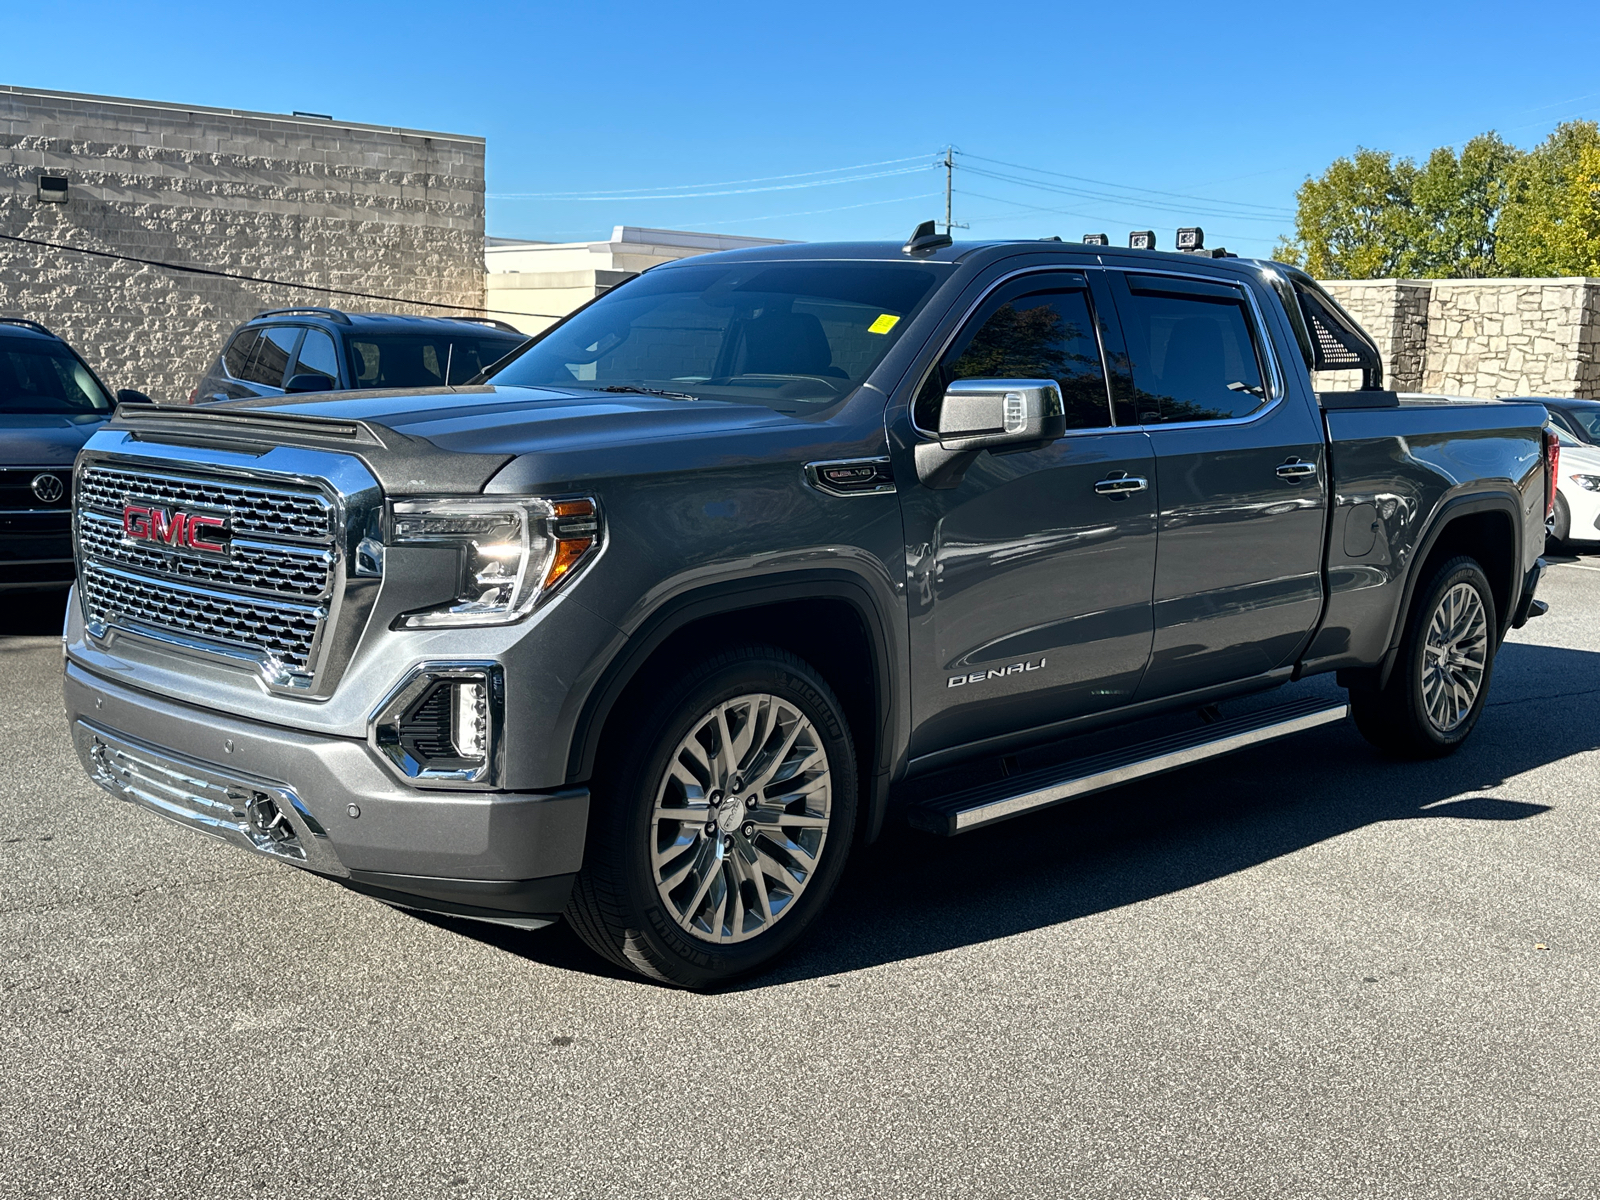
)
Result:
{"points": [[913, 894]]}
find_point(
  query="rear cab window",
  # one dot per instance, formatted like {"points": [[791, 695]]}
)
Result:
{"points": [[1193, 347]]}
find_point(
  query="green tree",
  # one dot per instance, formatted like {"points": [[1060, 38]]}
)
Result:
{"points": [[1374, 216], [1356, 221], [1551, 221], [1491, 210], [1458, 202]]}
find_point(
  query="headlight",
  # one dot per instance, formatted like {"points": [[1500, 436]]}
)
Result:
{"points": [[514, 552], [1589, 483]]}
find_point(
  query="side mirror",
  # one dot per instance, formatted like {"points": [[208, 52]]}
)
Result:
{"points": [[989, 414], [310, 383], [129, 396]]}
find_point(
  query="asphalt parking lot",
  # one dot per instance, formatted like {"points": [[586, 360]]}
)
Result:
{"points": [[1299, 972]]}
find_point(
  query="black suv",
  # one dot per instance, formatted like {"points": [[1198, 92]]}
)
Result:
{"points": [[51, 401], [323, 350]]}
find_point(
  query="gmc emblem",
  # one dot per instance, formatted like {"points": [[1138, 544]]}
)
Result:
{"points": [[179, 530]]}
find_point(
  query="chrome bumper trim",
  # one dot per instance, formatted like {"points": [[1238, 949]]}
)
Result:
{"points": [[253, 814]]}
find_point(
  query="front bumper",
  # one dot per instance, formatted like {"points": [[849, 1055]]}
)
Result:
{"points": [[326, 804], [35, 550]]}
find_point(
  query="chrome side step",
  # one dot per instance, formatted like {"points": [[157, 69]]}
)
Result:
{"points": [[991, 802]]}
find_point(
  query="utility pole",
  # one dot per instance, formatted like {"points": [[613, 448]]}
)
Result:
{"points": [[949, 187]]}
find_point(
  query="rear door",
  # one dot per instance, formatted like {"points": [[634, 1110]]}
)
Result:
{"points": [[1241, 472], [1031, 586]]}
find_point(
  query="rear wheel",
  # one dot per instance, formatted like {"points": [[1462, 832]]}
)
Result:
{"points": [[1440, 680], [724, 825], [1559, 528]]}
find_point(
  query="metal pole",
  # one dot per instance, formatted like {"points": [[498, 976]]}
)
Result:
{"points": [[949, 179]]}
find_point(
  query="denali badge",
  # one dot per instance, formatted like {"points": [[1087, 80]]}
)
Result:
{"points": [[182, 531], [995, 673]]}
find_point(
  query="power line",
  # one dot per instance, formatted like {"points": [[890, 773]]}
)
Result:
{"points": [[628, 192], [284, 283], [1134, 201], [1129, 188], [813, 212], [1095, 217], [611, 198]]}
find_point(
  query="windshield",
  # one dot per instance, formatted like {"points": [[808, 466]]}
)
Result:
{"points": [[44, 377], [418, 360], [1587, 423], [777, 333]]}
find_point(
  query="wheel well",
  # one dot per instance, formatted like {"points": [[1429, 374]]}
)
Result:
{"points": [[1488, 537], [829, 633]]}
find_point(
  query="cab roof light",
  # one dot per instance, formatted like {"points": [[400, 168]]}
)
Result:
{"points": [[1192, 240], [1095, 239], [1142, 239]]}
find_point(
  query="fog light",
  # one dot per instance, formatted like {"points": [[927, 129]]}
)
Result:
{"points": [[440, 726]]}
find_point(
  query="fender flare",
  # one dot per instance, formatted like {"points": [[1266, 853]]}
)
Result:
{"points": [[1506, 501], [737, 595]]}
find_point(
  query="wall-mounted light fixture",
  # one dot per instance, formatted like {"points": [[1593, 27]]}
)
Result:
{"points": [[52, 189]]}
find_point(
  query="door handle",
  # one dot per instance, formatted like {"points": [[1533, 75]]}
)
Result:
{"points": [[1295, 469], [1121, 485]]}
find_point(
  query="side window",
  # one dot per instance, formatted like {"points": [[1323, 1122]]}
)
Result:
{"points": [[272, 354], [1036, 328], [317, 356], [365, 357], [1193, 355], [237, 356]]}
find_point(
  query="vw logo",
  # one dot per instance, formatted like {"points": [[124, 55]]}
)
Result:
{"points": [[48, 488]]}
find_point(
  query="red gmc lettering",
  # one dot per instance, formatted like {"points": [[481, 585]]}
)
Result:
{"points": [[143, 524], [196, 540]]}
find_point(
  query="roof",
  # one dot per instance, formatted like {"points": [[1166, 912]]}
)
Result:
{"points": [[23, 328], [956, 252], [378, 322]]}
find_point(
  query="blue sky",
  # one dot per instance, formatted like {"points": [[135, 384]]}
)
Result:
{"points": [[821, 120]]}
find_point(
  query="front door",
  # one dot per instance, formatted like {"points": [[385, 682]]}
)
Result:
{"points": [[1241, 475], [1030, 582]]}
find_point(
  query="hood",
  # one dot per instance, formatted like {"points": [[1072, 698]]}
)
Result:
{"points": [[521, 420], [455, 441], [45, 439], [1586, 458]]}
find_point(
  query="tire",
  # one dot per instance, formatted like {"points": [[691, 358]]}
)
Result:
{"points": [[1560, 527], [1427, 710], [700, 901]]}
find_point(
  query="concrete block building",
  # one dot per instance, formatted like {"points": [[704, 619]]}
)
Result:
{"points": [[301, 199]]}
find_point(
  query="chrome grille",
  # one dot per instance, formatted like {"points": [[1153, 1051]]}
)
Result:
{"points": [[266, 567], [274, 512], [279, 633], [266, 601]]}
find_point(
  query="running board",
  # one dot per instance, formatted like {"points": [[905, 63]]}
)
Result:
{"points": [[991, 802]]}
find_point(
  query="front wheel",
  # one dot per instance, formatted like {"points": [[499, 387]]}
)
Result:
{"points": [[725, 823], [1440, 681]]}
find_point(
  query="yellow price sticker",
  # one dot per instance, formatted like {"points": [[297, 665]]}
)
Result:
{"points": [[883, 324]]}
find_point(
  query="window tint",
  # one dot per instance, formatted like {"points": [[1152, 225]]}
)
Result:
{"points": [[778, 333], [270, 359], [237, 357], [1193, 356], [422, 359], [1028, 331], [317, 356], [45, 378]]}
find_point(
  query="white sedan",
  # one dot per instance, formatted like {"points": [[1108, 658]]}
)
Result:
{"points": [[1576, 518]]}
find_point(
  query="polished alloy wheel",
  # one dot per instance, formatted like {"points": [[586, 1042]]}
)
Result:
{"points": [[1455, 657], [740, 818]]}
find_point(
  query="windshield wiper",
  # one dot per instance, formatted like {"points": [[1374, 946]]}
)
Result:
{"points": [[644, 391]]}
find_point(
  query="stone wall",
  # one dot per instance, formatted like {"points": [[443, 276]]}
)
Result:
{"points": [[1482, 337], [395, 212]]}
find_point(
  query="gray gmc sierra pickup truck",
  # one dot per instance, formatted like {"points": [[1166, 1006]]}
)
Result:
{"points": [[651, 625]]}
